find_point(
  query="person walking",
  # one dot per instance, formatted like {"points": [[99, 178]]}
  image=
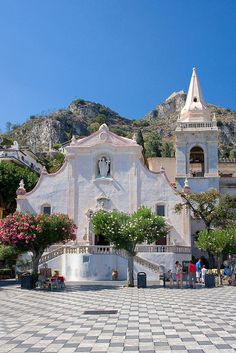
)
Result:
{"points": [[198, 270], [192, 274], [179, 274]]}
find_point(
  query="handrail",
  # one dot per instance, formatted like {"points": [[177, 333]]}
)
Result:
{"points": [[146, 263]]}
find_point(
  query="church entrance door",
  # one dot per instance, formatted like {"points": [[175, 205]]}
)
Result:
{"points": [[101, 240]]}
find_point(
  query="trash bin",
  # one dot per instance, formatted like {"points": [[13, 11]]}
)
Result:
{"points": [[185, 265], [209, 281], [26, 281], [141, 280]]}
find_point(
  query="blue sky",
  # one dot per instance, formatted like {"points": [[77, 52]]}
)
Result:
{"points": [[126, 54]]}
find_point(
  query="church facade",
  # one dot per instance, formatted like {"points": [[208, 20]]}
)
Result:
{"points": [[107, 171]]}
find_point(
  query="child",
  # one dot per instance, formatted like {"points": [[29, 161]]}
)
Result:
{"points": [[179, 274], [203, 273], [169, 277]]}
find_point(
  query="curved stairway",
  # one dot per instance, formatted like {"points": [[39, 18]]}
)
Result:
{"points": [[60, 250]]}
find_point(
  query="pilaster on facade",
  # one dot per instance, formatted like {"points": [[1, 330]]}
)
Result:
{"points": [[133, 187], [71, 187]]}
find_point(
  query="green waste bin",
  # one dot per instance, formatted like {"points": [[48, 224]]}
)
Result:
{"points": [[141, 280], [27, 281], [209, 281]]}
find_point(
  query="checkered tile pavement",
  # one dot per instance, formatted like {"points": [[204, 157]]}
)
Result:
{"points": [[148, 320]]}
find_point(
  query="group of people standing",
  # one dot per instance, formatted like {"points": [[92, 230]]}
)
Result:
{"points": [[196, 273]]}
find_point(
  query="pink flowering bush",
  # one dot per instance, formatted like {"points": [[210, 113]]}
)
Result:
{"points": [[34, 233]]}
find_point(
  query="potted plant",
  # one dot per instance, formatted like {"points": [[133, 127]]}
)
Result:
{"points": [[114, 274]]}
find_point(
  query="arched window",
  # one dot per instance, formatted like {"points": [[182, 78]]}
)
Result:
{"points": [[196, 162]]}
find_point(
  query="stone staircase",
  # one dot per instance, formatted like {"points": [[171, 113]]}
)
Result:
{"points": [[60, 250], [147, 264]]}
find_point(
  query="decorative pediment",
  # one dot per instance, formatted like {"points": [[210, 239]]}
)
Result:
{"points": [[103, 136]]}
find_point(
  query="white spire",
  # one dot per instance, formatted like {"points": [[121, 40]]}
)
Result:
{"points": [[195, 108]]}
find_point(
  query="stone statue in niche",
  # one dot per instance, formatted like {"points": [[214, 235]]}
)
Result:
{"points": [[103, 167]]}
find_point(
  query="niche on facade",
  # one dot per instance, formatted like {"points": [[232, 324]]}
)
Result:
{"points": [[103, 202], [196, 162], [103, 167]]}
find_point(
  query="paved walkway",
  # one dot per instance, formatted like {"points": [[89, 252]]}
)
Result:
{"points": [[147, 320]]}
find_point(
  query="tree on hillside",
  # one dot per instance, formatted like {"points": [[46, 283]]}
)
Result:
{"points": [[6, 141], [52, 163], [27, 232], [167, 149], [140, 141], [100, 119], [10, 177], [93, 127], [139, 138], [232, 154], [214, 209], [126, 231], [153, 145]]}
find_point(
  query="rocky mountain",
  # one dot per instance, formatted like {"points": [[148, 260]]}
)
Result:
{"points": [[42, 133]]}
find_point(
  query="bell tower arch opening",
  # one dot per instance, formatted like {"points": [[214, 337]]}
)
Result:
{"points": [[196, 162]]}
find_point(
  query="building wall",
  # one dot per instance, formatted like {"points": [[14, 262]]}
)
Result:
{"points": [[199, 184], [227, 168], [51, 189], [228, 185], [76, 190], [168, 163]]}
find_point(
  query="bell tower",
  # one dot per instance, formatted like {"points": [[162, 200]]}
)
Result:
{"points": [[196, 142]]}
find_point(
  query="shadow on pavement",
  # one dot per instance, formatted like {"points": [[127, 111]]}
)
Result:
{"points": [[9, 282]]}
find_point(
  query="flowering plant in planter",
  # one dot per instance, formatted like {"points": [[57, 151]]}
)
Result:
{"points": [[114, 274], [28, 232]]}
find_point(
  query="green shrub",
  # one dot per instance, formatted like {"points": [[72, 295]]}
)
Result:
{"points": [[5, 271], [100, 119], [56, 146], [93, 127], [79, 101]]}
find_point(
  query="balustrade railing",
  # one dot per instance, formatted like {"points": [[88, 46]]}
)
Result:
{"points": [[96, 249], [164, 248], [197, 125]]}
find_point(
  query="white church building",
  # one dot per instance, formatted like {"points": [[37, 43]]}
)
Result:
{"points": [[107, 171]]}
